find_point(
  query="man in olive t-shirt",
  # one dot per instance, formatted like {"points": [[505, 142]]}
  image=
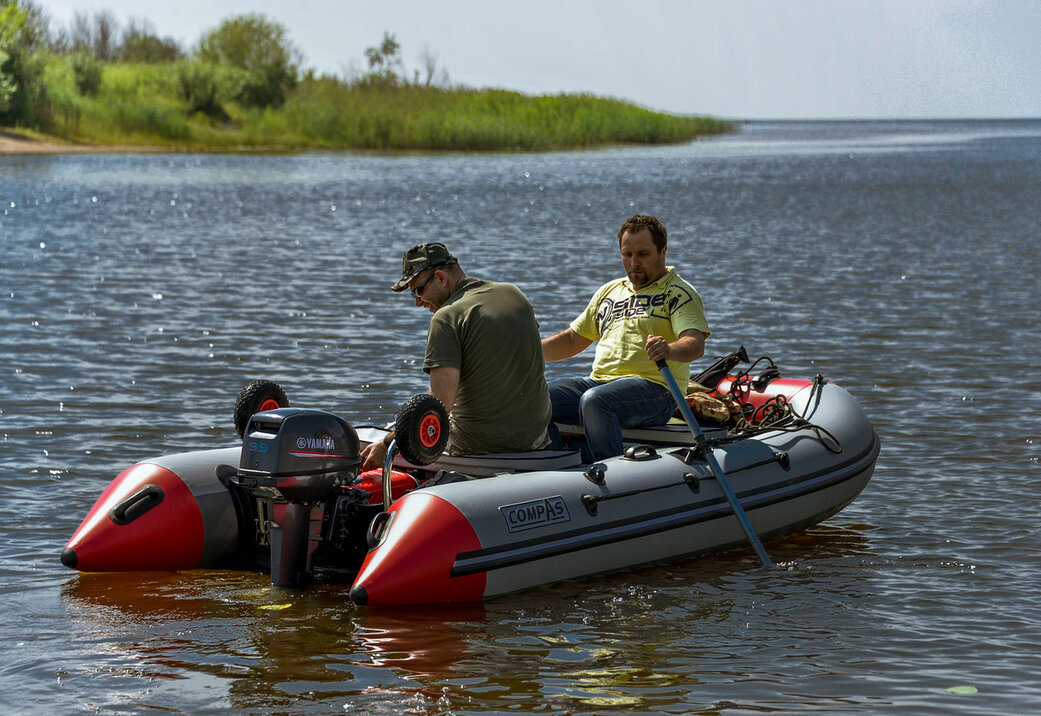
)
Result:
{"points": [[484, 357]]}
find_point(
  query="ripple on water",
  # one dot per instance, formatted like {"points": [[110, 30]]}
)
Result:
{"points": [[891, 267]]}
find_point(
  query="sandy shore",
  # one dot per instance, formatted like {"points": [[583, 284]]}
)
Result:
{"points": [[16, 144], [11, 143]]}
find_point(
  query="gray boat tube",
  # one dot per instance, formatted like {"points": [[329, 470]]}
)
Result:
{"points": [[706, 451]]}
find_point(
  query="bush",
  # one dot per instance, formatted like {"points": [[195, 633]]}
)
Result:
{"points": [[261, 49], [268, 86], [151, 119], [205, 87], [65, 110], [87, 73]]}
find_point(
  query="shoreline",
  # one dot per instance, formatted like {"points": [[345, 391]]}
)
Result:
{"points": [[13, 143], [17, 144]]}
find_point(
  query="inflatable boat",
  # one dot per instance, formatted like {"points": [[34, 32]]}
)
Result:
{"points": [[430, 527]]}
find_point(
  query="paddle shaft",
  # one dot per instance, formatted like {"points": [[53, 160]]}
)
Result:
{"points": [[706, 452]]}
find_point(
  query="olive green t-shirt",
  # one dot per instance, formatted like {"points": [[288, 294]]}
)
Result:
{"points": [[488, 331]]}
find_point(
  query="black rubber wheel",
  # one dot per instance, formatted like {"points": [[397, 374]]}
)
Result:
{"points": [[256, 397], [421, 429]]}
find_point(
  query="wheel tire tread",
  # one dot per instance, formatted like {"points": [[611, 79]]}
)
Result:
{"points": [[406, 429], [252, 395]]}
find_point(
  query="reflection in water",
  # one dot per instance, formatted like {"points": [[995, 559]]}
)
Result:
{"points": [[266, 642], [421, 640], [213, 625], [272, 646]]}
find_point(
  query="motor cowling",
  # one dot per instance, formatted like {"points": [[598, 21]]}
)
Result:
{"points": [[300, 452]]}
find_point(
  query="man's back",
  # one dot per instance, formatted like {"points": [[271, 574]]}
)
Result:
{"points": [[488, 331]]}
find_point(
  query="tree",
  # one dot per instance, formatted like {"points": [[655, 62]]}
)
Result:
{"points": [[140, 43], [432, 74], [95, 35], [79, 37], [106, 27], [261, 48], [21, 71], [11, 22], [36, 30], [384, 62]]}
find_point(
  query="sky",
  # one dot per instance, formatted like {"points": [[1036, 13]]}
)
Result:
{"points": [[734, 59]]}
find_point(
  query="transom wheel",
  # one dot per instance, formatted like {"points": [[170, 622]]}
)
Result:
{"points": [[421, 429], [257, 396]]}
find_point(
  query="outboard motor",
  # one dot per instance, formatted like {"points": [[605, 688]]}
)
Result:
{"points": [[293, 462]]}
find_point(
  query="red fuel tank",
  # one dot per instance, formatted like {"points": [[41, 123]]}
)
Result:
{"points": [[372, 482]]}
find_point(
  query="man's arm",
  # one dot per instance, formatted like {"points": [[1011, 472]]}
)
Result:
{"points": [[690, 345], [444, 384], [564, 345]]}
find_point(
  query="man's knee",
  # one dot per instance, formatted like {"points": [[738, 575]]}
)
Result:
{"points": [[564, 396], [598, 400]]}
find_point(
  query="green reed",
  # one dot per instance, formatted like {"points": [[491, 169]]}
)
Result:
{"points": [[146, 105]]}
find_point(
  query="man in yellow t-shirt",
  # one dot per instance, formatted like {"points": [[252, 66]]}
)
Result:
{"points": [[650, 315]]}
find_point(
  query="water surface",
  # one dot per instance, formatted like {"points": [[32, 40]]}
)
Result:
{"points": [[899, 259]]}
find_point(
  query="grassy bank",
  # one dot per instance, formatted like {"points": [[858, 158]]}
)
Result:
{"points": [[148, 105]]}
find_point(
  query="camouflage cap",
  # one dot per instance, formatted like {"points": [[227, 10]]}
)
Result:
{"points": [[421, 257]]}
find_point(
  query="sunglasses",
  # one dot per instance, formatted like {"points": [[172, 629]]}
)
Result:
{"points": [[417, 292]]}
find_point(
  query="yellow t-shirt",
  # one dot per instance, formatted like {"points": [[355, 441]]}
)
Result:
{"points": [[621, 319]]}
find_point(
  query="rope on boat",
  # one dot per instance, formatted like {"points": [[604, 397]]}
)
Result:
{"points": [[776, 414]]}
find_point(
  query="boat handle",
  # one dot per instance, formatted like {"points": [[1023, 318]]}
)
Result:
{"points": [[641, 452], [374, 534], [388, 465], [595, 474], [590, 503], [136, 505]]}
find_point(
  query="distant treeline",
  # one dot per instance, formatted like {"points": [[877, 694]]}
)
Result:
{"points": [[242, 86]]}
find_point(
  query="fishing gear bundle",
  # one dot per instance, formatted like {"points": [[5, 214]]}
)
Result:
{"points": [[730, 405]]}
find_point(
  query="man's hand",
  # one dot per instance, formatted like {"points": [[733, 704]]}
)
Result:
{"points": [[658, 348], [374, 455], [689, 346]]}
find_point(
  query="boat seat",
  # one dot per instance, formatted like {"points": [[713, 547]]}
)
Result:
{"points": [[489, 464], [504, 463], [675, 432]]}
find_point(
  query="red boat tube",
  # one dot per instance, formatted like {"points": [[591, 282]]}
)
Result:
{"points": [[416, 551], [167, 514]]}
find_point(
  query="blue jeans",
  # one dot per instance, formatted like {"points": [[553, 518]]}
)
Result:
{"points": [[603, 409]]}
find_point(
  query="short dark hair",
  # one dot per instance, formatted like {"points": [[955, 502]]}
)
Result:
{"points": [[638, 222]]}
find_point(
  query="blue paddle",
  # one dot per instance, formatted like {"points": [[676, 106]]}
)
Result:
{"points": [[702, 445]]}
